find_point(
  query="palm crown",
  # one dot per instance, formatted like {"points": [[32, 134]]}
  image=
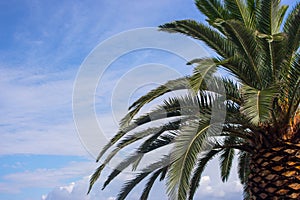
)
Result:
{"points": [[260, 50]]}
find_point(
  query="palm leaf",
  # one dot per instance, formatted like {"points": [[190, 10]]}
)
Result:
{"points": [[173, 85], [226, 158], [238, 11], [293, 89], [203, 71], [201, 164], [292, 29], [269, 16], [128, 186], [244, 38], [186, 149], [151, 181], [258, 103], [153, 143], [243, 166], [170, 108], [212, 38], [212, 9], [156, 131]]}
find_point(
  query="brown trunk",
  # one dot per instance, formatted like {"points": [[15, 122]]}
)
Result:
{"points": [[275, 173]]}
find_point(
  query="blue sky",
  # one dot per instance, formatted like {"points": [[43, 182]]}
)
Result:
{"points": [[42, 46]]}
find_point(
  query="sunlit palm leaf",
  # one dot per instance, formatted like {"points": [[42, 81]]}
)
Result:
{"points": [[269, 16], [292, 29], [258, 103], [173, 85], [184, 156], [212, 38], [238, 11], [213, 9]]}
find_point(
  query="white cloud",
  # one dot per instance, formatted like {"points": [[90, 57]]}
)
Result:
{"points": [[70, 192], [46, 178]]}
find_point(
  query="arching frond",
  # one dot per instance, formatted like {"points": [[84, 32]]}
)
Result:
{"points": [[153, 143], [128, 186], [293, 88], [269, 16], [212, 38], [169, 108], [238, 11], [201, 164], [203, 71], [244, 39], [243, 166], [184, 156], [258, 103], [173, 85], [226, 158], [212, 9], [292, 29], [151, 181]]}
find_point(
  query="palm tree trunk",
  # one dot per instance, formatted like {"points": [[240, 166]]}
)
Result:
{"points": [[275, 173]]}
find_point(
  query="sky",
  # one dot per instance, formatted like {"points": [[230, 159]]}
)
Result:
{"points": [[45, 47]]}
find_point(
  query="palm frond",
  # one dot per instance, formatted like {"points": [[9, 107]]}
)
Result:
{"points": [[151, 181], [269, 16], [201, 164], [170, 108], [258, 103], [238, 11], [184, 155], [226, 158], [231, 90], [292, 29], [273, 53], [251, 7], [237, 67], [212, 38], [95, 177], [155, 131], [128, 186], [212, 9], [170, 86], [243, 166], [203, 71], [244, 39], [293, 88], [153, 143], [120, 167]]}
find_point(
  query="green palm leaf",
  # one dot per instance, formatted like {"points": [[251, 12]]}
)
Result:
{"points": [[145, 172], [212, 38], [150, 183], [238, 11], [258, 103], [226, 159], [269, 16], [243, 166], [201, 164], [292, 29], [213, 9], [184, 156]]}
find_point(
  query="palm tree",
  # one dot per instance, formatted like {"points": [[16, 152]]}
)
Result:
{"points": [[259, 48]]}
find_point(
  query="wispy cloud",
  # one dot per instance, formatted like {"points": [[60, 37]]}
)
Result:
{"points": [[44, 177]]}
